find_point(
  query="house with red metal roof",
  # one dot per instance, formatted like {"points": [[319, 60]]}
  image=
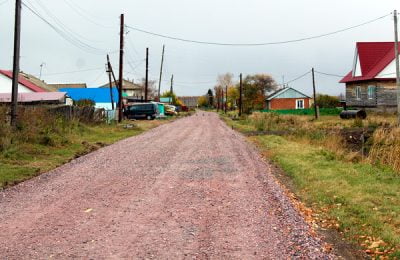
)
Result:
{"points": [[372, 81], [25, 86]]}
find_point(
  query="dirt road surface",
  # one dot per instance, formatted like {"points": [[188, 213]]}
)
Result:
{"points": [[191, 189]]}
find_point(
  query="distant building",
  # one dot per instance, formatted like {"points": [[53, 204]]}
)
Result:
{"points": [[372, 82], [190, 102], [24, 85], [101, 96], [129, 88], [38, 98], [288, 98], [67, 85]]}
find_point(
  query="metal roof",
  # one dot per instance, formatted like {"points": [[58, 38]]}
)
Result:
{"points": [[34, 97], [280, 92], [98, 95], [23, 81], [374, 57]]}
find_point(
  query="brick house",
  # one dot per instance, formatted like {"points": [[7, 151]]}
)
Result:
{"points": [[372, 82], [288, 98]]}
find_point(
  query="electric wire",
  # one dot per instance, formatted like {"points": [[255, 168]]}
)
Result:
{"points": [[60, 23], [71, 72], [76, 42], [256, 44], [83, 14], [329, 74]]}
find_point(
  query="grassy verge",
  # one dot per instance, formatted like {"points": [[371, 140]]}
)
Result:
{"points": [[23, 160], [359, 199]]}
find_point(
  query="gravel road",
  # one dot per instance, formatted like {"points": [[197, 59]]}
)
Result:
{"points": [[189, 189]]}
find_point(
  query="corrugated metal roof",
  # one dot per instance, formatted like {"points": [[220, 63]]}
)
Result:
{"points": [[98, 95], [287, 93], [374, 57], [34, 97]]}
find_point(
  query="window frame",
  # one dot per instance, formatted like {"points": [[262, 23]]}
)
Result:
{"points": [[371, 91], [358, 93], [297, 103]]}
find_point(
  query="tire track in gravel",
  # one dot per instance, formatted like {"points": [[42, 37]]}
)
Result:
{"points": [[189, 189]]}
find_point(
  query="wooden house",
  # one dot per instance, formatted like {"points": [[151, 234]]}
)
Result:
{"points": [[372, 82], [288, 98]]}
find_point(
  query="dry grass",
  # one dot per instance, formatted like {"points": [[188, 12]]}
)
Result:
{"points": [[386, 148], [328, 131]]}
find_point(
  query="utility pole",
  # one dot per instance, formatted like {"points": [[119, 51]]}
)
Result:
{"points": [[171, 92], [315, 94], [17, 45], [240, 94], [109, 70], [226, 99], [121, 68], [146, 87], [161, 71], [396, 51]]}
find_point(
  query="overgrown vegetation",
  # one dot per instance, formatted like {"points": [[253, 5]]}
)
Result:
{"points": [[348, 172], [43, 141]]}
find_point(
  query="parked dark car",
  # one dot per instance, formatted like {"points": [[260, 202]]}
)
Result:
{"points": [[147, 111]]}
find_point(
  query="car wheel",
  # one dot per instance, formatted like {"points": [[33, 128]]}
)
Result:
{"points": [[149, 118]]}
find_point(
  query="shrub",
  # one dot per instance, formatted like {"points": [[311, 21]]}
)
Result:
{"points": [[85, 103]]}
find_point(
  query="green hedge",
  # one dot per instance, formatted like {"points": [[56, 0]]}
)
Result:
{"points": [[309, 111]]}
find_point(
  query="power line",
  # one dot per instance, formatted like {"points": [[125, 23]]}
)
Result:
{"points": [[329, 74], [83, 14], [68, 37], [71, 72], [255, 44], [297, 78]]}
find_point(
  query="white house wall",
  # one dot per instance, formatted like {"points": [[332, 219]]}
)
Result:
{"points": [[6, 86], [357, 67], [106, 106], [389, 71]]}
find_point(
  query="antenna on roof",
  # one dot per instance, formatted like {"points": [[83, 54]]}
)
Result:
{"points": [[41, 69]]}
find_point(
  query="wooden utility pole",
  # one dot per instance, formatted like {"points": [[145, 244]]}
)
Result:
{"points": [[240, 95], [109, 70], [226, 99], [315, 94], [161, 71], [396, 51], [121, 68], [17, 45], [171, 92], [146, 87]]}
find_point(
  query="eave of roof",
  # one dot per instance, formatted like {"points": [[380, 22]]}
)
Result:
{"points": [[23, 81], [377, 61]]}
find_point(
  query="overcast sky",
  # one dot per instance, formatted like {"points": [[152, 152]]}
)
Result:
{"points": [[95, 23]]}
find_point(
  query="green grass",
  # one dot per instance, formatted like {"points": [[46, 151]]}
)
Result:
{"points": [[24, 160], [309, 111], [363, 199]]}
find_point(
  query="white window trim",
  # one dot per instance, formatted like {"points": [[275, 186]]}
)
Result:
{"points": [[358, 90], [297, 102], [374, 89]]}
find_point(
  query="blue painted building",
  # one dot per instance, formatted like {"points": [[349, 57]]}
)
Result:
{"points": [[101, 96]]}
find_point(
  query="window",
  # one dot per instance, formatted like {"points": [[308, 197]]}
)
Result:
{"points": [[371, 92], [300, 104], [358, 92]]}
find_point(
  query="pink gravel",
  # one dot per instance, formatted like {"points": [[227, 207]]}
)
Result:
{"points": [[189, 189]]}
